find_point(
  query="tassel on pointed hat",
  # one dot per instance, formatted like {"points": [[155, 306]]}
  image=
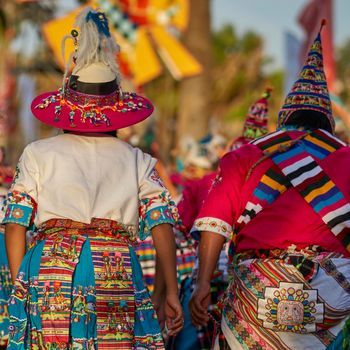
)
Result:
{"points": [[310, 91], [255, 124]]}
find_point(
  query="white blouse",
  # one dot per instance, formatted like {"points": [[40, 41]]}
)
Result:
{"points": [[80, 177]]}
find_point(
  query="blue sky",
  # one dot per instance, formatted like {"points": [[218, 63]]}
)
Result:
{"points": [[271, 18]]}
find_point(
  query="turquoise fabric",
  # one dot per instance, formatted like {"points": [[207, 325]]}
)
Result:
{"points": [[187, 339], [26, 317], [19, 317], [154, 217], [18, 214], [141, 327], [337, 343], [19, 208], [5, 290]]}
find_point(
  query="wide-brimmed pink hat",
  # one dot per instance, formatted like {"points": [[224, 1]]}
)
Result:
{"points": [[91, 99], [76, 111]]}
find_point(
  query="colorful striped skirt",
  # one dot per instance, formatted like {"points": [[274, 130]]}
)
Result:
{"points": [[80, 287], [5, 290]]}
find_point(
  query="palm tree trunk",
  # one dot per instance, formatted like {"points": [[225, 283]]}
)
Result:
{"points": [[195, 93]]}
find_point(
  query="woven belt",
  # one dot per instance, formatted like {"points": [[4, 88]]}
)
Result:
{"points": [[96, 228]]}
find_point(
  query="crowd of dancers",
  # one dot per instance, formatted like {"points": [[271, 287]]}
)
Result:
{"points": [[246, 247]]}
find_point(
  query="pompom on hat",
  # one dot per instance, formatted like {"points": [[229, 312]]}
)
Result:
{"points": [[255, 124], [91, 99], [310, 91]]}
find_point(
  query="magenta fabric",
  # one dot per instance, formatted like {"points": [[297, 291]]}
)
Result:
{"points": [[289, 220], [117, 118], [193, 196]]}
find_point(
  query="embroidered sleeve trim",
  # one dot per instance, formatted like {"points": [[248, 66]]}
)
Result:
{"points": [[19, 208], [155, 211], [213, 225]]}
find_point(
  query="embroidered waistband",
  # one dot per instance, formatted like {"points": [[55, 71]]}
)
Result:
{"points": [[306, 260], [96, 227], [310, 252]]}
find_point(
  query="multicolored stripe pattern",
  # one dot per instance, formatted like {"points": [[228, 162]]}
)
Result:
{"points": [[115, 301], [5, 290], [310, 91], [58, 263], [80, 287], [272, 184], [185, 259], [315, 186], [296, 164], [257, 323], [147, 256]]}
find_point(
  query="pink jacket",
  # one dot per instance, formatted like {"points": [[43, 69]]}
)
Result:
{"points": [[290, 220], [193, 196]]}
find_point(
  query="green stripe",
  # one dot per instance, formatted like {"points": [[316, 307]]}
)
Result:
{"points": [[278, 177], [143, 257], [273, 142], [346, 240], [323, 180], [328, 141]]}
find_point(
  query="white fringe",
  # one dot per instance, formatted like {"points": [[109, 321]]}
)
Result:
{"points": [[93, 47]]}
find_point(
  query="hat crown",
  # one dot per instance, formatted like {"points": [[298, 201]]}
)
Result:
{"points": [[255, 124], [314, 62], [310, 91], [97, 72]]}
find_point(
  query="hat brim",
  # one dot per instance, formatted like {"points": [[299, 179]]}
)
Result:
{"points": [[118, 118], [284, 115]]}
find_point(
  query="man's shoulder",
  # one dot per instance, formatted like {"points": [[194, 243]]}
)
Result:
{"points": [[240, 159]]}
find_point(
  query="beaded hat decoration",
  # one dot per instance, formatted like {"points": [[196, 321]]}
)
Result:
{"points": [[91, 99], [310, 91], [255, 124]]}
